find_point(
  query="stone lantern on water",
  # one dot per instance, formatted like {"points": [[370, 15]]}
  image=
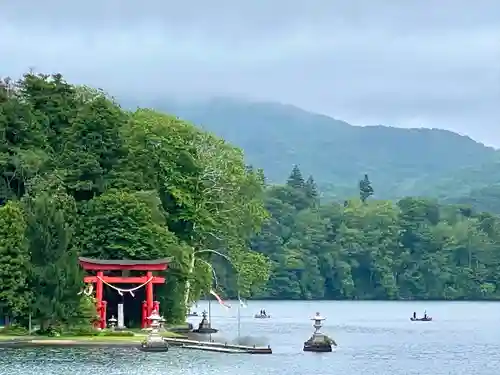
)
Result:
{"points": [[318, 342], [205, 327]]}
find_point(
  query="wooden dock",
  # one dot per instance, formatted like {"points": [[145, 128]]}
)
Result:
{"points": [[219, 347], [213, 349]]}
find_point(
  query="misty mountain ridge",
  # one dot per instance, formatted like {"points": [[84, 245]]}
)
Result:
{"points": [[201, 103], [399, 161]]}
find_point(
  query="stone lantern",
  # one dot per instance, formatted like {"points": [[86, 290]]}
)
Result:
{"points": [[154, 341], [112, 322], [155, 320], [318, 342]]}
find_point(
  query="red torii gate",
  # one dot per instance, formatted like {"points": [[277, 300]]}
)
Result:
{"points": [[100, 266]]}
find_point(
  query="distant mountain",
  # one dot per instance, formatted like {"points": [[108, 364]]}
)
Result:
{"points": [[399, 162]]}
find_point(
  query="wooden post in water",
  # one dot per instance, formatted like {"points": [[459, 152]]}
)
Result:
{"points": [[239, 321]]}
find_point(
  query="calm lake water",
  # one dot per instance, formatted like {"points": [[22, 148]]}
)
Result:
{"points": [[373, 337]]}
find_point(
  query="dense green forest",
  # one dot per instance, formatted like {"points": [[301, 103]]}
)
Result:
{"points": [[401, 162], [82, 176], [363, 248]]}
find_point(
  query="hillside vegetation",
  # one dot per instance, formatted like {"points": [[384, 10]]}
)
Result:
{"points": [[364, 248]]}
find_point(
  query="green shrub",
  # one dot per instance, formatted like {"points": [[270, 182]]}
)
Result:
{"points": [[117, 333], [82, 331], [51, 331]]}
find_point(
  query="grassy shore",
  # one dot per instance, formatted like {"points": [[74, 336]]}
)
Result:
{"points": [[136, 338], [10, 337]]}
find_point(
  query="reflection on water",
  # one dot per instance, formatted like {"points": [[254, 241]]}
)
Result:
{"points": [[372, 336]]}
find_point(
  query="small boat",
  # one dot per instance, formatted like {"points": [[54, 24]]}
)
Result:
{"points": [[261, 350], [262, 316], [424, 319]]}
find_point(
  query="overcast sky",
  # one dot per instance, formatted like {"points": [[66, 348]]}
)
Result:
{"points": [[408, 63]]}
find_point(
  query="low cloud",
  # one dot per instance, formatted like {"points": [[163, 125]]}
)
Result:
{"points": [[411, 63]]}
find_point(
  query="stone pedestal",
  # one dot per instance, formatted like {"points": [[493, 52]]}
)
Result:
{"points": [[204, 327], [318, 342]]}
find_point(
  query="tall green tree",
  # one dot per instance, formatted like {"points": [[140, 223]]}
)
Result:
{"points": [[55, 277], [94, 146], [14, 290], [365, 189], [296, 180], [311, 191], [122, 225], [23, 152], [53, 103], [211, 199]]}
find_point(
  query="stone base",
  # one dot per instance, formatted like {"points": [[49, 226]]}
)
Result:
{"points": [[206, 330], [187, 328], [319, 343], [154, 343], [155, 348], [205, 327], [317, 348]]}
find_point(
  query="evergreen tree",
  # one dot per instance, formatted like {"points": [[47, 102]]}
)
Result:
{"points": [[365, 189], [14, 269], [311, 190], [55, 278], [295, 180]]}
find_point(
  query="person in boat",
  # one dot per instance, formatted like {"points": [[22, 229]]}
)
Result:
{"points": [[425, 314], [414, 315], [264, 312]]}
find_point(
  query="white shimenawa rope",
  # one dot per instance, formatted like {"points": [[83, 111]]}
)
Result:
{"points": [[131, 291]]}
